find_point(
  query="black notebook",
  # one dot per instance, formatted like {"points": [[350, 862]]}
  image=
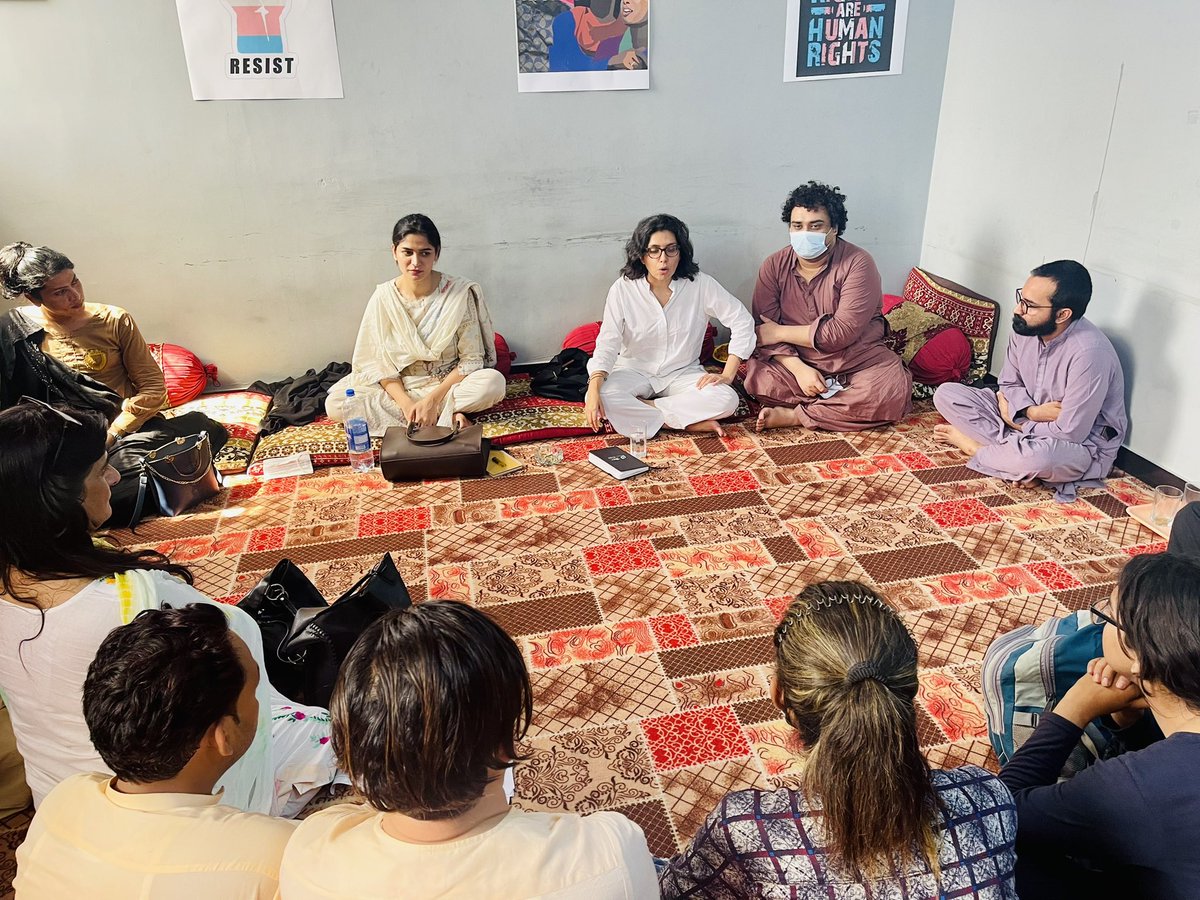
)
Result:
{"points": [[617, 462]]}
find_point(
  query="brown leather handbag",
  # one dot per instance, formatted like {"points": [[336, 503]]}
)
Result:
{"points": [[418, 454]]}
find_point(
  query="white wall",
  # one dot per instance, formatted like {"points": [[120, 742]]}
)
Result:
{"points": [[253, 232], [1072, 130]]}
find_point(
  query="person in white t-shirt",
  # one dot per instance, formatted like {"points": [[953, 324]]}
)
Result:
{"points": [[646, 372], [427, 713]]}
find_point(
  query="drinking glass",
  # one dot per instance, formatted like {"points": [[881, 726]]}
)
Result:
{"points": [[1167, 501], [637, 443], [1191, 493]]}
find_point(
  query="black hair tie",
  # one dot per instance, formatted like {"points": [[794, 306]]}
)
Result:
{"points": [[861, 671]]}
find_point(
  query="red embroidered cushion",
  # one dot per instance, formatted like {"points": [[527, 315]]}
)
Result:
{"points": [[504, 356], [584, 338], [185, 375]]}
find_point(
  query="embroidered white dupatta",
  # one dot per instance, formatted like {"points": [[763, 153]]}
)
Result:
{"points": [[389, 341]]}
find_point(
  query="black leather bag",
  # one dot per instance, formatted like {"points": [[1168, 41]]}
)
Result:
{"points": [[418, 454], [305, 639], [565, 377], [180, 475], [273, 603]]}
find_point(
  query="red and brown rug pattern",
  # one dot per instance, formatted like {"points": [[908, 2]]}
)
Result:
{"points": [[645, 608]]}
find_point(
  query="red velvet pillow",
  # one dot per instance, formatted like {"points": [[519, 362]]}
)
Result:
{"points": [[584, 338], [504, 356], [936, 351], [185, 375]]}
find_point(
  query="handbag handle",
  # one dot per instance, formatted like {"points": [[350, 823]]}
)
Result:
{"points": [[202, 465], [429, 442]]}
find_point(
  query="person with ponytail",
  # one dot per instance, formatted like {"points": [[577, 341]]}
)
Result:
{"points": [[868, 817]]}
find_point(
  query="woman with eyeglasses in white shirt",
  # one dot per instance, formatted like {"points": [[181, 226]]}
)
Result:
{"points": [[646, 373]]}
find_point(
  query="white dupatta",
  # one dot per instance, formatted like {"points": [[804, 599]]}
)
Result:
{"points": [[389, 341], [250, 782]]}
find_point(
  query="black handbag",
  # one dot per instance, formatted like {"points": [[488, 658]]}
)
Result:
{"points": [[273, 603], [418, 454], [305, 639], [180, 474], [565, 377]]}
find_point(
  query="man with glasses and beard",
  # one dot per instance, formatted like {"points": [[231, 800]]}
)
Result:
{"points": [[1059, 415]]}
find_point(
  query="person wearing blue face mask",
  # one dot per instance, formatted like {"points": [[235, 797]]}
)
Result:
{"points": [[821, 360]]}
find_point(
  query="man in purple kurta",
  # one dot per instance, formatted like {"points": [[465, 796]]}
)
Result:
{"points": [[1059, 416], [819, 308]]}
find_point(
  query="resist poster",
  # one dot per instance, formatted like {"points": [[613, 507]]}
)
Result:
{"points": [[278, 50], [844, 40], [583, 45]]}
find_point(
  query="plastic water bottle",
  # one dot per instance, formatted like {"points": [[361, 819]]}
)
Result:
{"points": [[358, 435]]}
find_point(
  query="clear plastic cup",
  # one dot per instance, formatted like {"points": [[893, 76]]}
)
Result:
{"points": [[1167, 501], [637, 443]]}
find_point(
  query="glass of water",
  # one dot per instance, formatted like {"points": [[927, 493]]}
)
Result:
{"points": [[637, 443], [1167, 501], [1191, 493]]}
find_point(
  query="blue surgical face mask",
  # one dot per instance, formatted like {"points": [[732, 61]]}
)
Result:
{"points": [[808, 244]]}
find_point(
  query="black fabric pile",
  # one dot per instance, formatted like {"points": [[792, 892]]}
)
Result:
{"points": [[299, 400]]}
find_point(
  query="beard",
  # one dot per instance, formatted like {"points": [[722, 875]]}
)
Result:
{"points": [[1023, 328]]}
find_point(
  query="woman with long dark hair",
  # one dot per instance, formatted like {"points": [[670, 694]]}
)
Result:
{"points": [[426, 349], [646, 370], [62, 591], [869, 817]]}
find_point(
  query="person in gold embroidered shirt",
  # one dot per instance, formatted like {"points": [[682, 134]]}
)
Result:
{"points": [[101, 341]]}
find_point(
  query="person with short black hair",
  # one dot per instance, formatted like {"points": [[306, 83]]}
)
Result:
{"points": [[427, 713], [1126, 826], [1059, 415], [646, 370], [170, 703], [821, 360]]}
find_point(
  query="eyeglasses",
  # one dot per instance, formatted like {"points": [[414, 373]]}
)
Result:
{"points": [[66, 420], [656, 252], [1101, 616], [1024, 304]]}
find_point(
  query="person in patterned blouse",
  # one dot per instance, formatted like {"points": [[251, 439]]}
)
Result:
{"points": [[868, 818]]}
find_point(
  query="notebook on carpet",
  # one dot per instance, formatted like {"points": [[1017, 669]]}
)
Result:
{"points": [[617, 462]]}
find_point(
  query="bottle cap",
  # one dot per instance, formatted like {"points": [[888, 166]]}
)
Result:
{"points": [[349, 392]]}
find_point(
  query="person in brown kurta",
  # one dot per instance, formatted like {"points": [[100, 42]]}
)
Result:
{"points": [[819, 308]]}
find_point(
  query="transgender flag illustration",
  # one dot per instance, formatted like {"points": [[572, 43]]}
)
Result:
{"points": [[259, 28]]}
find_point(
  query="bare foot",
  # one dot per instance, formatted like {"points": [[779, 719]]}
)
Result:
{"points": [[707, 425], [951, 435], [461, 421], [776, 417]]}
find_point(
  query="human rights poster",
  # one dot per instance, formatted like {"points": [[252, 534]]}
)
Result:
{"points": [[278, 50], [844, 40], [583, 45]]}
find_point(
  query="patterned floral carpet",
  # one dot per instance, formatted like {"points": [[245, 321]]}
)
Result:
{"points": [[645, 608]]}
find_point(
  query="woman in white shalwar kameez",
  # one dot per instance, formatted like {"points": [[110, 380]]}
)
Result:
{"points": [[426, 349], [646, 371]]}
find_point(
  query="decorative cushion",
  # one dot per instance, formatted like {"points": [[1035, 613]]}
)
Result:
{"points": [[584, 337], [933, 349], [242, 413], [522, 416], [975, 316], [185, 375], [323, 439], [504, 356]]}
